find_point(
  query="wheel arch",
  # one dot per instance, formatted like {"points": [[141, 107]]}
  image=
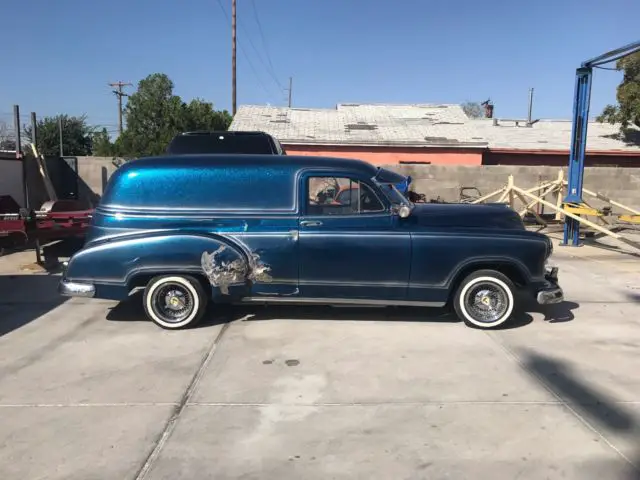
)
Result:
{"points": [[511, 268], [141, 279]]}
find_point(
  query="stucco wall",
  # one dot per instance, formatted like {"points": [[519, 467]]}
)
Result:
{"points": [[11, 180], [90, 170], [390, 155]]}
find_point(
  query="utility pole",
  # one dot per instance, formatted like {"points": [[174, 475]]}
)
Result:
{"points": [[34, 130], [120, 93], [19, 156], [233, 57], [290, 87], [60, 134]]}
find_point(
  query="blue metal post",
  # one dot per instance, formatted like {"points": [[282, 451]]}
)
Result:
{"points": [[578, 149]]}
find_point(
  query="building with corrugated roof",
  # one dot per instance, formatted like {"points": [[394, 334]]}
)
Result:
{"points": [[431, 134]]}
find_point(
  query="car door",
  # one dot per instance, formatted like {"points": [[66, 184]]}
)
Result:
{"points": [[350, 246]]}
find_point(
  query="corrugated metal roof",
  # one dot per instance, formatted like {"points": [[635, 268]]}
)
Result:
{"points": [[428, 125]]}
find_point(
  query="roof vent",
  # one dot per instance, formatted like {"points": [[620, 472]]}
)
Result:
{"points": [[442, 140], [360, 126]]}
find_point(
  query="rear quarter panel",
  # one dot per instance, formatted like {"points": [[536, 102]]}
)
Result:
{"points": [[112, 265]]}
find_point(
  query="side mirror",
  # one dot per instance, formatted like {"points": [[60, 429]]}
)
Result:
{"points": [[404, 211]]}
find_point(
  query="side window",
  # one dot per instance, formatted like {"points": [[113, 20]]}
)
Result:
{"points": [[340, 196]]}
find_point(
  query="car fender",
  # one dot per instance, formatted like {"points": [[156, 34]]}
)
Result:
{"points": [[222, 260], [482, 262]]}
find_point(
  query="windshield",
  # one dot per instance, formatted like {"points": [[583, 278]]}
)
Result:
{"points": [[393, 194]]}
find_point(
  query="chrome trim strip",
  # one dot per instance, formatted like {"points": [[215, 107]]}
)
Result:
{"points": [[340, 301], [75, 289], [313, 283]]}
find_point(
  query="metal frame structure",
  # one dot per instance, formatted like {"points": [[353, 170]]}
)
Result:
{"points": [[582, 99]]}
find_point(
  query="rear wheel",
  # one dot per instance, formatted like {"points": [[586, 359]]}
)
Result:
{"points": [[485, 299], [174, 301]]}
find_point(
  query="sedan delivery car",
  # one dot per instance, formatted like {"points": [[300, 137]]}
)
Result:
{"points": [[195, 229]]}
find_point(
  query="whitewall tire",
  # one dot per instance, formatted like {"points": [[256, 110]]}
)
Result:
{"points": [[485, 299], [174, 301]]}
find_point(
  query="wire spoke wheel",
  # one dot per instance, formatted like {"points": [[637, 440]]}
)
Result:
{"points": [[173, 302], [486, 302], [485, 299]]}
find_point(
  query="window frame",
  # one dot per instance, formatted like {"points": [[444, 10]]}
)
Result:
{"points": [[342, 174]]}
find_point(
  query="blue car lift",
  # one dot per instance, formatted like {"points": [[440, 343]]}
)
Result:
{"points": [[573, 202]]}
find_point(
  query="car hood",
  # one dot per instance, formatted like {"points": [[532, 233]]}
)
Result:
{"points": [[491, 215]]}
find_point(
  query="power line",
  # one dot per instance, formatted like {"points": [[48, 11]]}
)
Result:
{"points": [[246, 56], [264, 43], [270, 72]]}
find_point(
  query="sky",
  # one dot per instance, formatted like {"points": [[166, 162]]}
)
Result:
{"points": [[60, 58]]}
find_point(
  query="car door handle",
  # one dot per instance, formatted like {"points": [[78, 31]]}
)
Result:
{"points": [[310, 223]]}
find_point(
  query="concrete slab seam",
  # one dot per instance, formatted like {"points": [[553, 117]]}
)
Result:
{"points": [[562, 401], [179, 408], [382, 404], [87, 405]]}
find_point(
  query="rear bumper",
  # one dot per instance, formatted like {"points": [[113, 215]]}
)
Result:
{"points": [[76, 289], [551, 292]]}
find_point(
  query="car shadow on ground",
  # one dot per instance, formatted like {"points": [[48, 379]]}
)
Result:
{"points": [[633, 296], [132, 310], [600, 411], [26, 297], [556, 313]]}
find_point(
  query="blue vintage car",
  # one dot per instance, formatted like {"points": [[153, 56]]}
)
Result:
{"points": [[194, 229]]}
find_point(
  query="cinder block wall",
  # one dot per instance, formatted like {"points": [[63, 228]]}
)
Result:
{"points": [[621, 184]]}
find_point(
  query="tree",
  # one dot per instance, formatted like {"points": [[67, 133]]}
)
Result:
{"points": [[76, 136], [154, 115], [7, 138], [101, 144], [473, 109], [200, 115], [627, 112]]}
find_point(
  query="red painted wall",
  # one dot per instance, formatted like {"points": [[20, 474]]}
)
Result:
{"points": [[392, 155], [461, 156], [559, 159]]}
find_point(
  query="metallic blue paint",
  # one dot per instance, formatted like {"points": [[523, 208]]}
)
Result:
{"points": [[158, 217]]}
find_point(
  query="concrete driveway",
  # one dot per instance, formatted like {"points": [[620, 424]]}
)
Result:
{"points": [[90, 391]]}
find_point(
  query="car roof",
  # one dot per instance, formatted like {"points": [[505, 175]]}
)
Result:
{"points": [[240, 160], [223, 132]]}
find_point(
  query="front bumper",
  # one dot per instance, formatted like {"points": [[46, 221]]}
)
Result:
{"points": [[551, 292], [76, 289]]}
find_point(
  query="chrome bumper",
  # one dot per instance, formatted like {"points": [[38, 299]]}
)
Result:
{"points": [[75, 289], [552, 293]]}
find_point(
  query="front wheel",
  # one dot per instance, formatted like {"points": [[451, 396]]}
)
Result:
{"points": [[174, 301], [485, 299]]}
